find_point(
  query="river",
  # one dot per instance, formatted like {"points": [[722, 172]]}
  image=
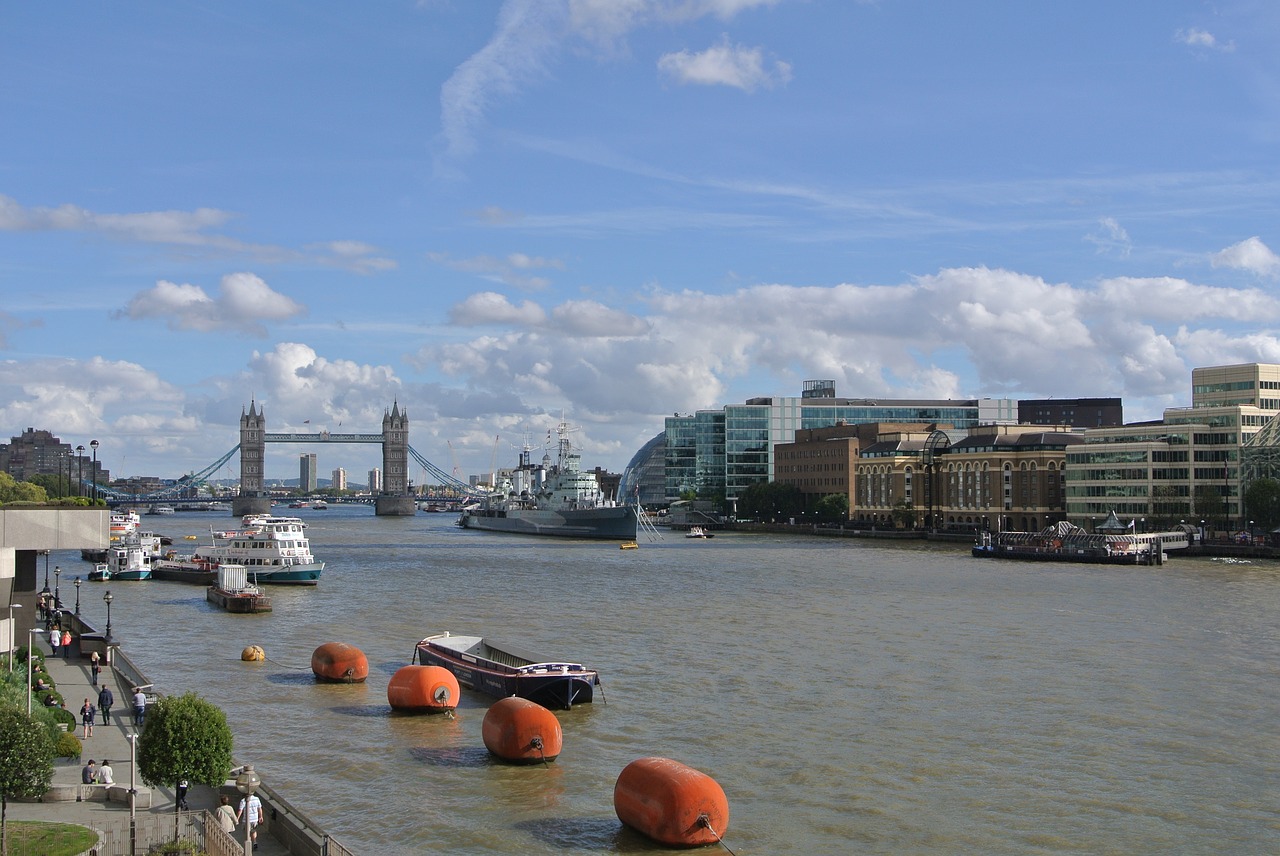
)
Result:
{"points": [[849, 697]]}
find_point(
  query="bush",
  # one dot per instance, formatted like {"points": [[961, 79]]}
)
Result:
{"points": [[68, 746], [180, 847], [62, 715]]}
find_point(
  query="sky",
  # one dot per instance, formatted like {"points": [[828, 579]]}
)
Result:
{"points": [[498, 214]]}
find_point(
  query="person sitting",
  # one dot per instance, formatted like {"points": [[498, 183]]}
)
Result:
{"points": [[89, 774], [40, 685]]}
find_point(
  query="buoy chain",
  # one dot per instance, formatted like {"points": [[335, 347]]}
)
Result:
{"points": [[703, 820], [291, 668]]}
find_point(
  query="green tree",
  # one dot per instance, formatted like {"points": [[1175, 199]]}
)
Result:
{"points": [[184, 737], [771, 501], [26, 762], [16, 491], [832, 508], [1262, 499], [1208, 504], [904, 513]]}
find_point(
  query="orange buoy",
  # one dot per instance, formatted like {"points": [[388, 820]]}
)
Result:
{"points": [[423, 689], [338, 661], [253, 653], [671, 803], [519, 730]]}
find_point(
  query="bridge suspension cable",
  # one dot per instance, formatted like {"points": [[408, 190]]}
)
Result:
{"points": [[187, 482], [443, 478]]}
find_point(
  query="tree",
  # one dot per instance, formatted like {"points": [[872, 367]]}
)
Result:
{"points": [[904, 513], [16, 491], [1208, 503], [771, 501], [184, 737], [1262, 499], [26, 762], [832, 508]]}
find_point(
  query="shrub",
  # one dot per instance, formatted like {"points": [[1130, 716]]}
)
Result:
{"points": [[61, 714], [68, 746], [180, 847]]}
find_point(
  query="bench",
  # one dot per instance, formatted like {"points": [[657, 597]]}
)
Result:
{"points": [[120, 793]]}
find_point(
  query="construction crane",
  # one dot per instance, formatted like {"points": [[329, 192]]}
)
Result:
{"points": [[453, 456], [493, 464]]}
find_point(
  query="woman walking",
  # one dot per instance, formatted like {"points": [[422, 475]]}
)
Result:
{"points": [[87, 713]]}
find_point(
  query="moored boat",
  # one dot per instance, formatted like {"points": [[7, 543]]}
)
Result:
{"points": [[274, 549], [235, 593], [1065, 542], [128, 561], [501, 670], [552, 499]]}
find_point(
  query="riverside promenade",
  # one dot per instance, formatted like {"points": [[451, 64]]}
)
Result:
{"points": [[155, 806]]}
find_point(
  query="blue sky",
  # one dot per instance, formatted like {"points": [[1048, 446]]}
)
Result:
{"points": [[496, 213]]}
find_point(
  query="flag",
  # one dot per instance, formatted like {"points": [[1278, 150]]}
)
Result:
{"points": [[306, 421]]}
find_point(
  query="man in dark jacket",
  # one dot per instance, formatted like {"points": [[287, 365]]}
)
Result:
{"points": [[105, 700]]}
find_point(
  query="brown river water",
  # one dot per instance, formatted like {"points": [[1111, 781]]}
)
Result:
{"points": [[848, 697]]}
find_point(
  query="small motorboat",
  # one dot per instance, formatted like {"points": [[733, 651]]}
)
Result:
{"points": [[501, 670], [698, 532]]}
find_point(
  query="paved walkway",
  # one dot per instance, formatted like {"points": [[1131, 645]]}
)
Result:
{"points": [[110, 742]]}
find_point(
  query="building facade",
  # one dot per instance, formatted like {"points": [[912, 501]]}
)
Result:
{"points": [[38, 452], [338, 480], [308, 476]]}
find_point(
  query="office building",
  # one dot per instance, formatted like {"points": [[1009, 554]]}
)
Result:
{"points": [[308, 478]]}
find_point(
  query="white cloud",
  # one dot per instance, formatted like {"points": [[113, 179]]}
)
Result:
{"points": [[512, 270], [1112, 238], [1197, 38], [243, 304], [488, 307], [1249, 255], [725, 65]]}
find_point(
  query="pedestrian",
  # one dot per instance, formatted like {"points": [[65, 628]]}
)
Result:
{"points": [[55, 639], [226, 814], [66, 644], [89, 774], [106, 776], [105, 700], [252, 816], [139, 706], [182, 794], [94, 667], [87, 713]]}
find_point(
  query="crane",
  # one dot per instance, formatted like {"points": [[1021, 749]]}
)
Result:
{"points": [[453, 456], [493, 464]]}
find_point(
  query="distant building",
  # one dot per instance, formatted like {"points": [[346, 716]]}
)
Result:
{"points": [[308, 477], [39, 452], [1075, 412], [339, 481], [375, 480], [643, 479]]}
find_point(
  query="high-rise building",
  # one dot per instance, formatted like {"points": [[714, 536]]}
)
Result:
{"points": [[375, 480], [308, 478], [339, 481]]}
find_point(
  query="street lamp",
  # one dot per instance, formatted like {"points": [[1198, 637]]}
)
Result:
{"points": [[107, 598], [57, 595], [79, 470], [11, 648], [46, 571], [77, 595], [246, 783], [31, 644], [133, 794], [93, 444]]}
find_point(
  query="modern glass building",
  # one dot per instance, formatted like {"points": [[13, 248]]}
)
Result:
{"points": [[722, 452]]}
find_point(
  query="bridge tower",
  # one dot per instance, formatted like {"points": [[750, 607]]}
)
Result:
{"points": [[395, 499], [253, 498]]}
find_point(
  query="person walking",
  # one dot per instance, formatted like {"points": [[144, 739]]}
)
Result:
{"points": [[251, 811], [139, 706], [87, 713], [95, 667], [182, 794], [226, 814], [66, 644], [55, 639], [105, 700]]}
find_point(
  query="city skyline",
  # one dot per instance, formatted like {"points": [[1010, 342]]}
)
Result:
{"points": [[501, 214]]}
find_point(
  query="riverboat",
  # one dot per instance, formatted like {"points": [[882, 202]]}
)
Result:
{"points": [[233, 592], [176, 568], [501, 670], [274, 549], [121, 525], [557, 500], [1065, 542], [128, 561], [698, 532]]}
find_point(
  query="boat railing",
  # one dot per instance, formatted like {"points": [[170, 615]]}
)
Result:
{"points": [[552, 667]]}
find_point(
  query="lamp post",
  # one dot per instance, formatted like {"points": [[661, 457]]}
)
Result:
{"points": [[107, 598], [79, 470], [12, 650], [31, 644], [133, 794], [77, 595], [246, 783], [93, 444], [57, 593], [46, 571]]}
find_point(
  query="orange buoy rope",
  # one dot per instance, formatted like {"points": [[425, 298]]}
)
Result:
{"points": [[703, 820]]}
